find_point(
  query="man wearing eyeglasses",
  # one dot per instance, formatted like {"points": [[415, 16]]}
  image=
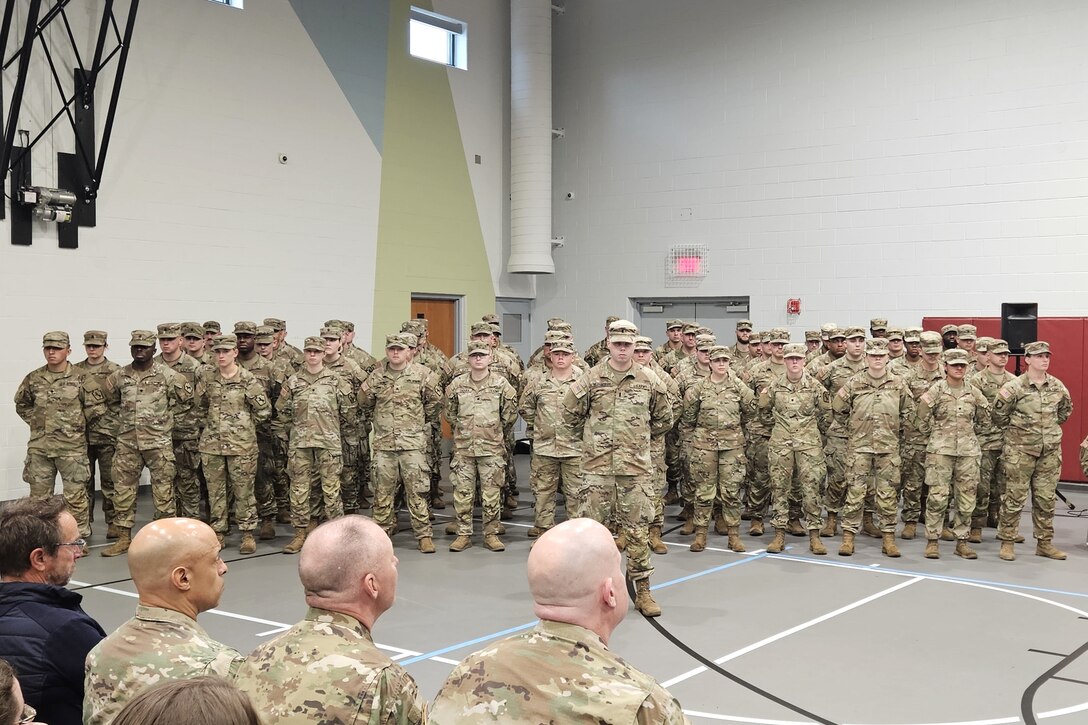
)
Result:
{"points": [[44, 632]]}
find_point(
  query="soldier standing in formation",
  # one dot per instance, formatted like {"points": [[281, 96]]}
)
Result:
{"points": [[187, 423], [102, 431]]}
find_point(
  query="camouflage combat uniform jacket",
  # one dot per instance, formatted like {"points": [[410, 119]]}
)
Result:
{"points": [[874, 410], [57, 406], [797, 414], [312, 408], [714, 414], [326, 669], [553, 673], [102, 430], [232, 408], [151, 401], [403, 406], [542, 408], [479, 413], [1032, 415], [953, 418], [990, 438]]}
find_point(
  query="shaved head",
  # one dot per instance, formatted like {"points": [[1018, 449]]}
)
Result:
{"points": [[175, 564]]}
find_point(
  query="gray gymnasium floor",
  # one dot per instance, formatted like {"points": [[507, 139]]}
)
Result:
{"points": [[797, 638]]}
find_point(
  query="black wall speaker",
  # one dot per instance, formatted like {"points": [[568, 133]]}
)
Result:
{"points": [[1019, 324]]}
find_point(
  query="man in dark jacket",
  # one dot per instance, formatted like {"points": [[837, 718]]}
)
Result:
{"points": [[44, 633]]}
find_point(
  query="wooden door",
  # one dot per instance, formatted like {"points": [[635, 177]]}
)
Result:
{"points": [[441, 316]]}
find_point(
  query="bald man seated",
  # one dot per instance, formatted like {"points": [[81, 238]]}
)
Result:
{"points": [[326, 668], [562, 669], [177, 571]]}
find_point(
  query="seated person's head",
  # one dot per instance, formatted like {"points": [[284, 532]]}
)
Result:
{"points": [[199, 701], [13, 709], [348, 565], [39, 541], [175, 564]]}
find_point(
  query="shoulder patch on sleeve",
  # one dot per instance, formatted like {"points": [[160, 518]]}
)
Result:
{"points": [[1005, 392], [927, 398]]}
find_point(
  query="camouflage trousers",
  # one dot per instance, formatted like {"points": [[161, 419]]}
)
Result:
{"points": [[510, 485], [276, 472], [717, 475], [759, 479], [390, 469], [102, 455], [913, 479], [861, 468], [304, 465], [491, 472], [349, 481], [658, 449], [40, 473], [628, 500], [686, 484], [264, 483], [545, 474], [674, 461], [991, 486], [1025, 472], [187, 478], [950, 478], [363, 473], [434, 457], [128, 463], [835, 490], [237, 475], [800, 470]]}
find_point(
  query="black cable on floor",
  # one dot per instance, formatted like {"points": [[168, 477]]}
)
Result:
{"points": [[710, 664]]}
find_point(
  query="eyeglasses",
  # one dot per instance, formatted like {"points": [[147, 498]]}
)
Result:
{"points": [[81, 543], [29, 714]]}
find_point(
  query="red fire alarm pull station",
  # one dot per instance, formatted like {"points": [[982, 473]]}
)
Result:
{"points": [[793, 306]]}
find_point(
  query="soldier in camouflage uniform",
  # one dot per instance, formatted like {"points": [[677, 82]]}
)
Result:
{"points": [[644, 356], [151, 397], [101, 432], [715, 411], [1031, 410], [480, 406], [619, 407], [557, 324], [674, 330], [896, 345], [688, 373], [186, 434], [403, 400], [833, 375], [326, 669], [758, 376], [991, 486], [56, 401], [315, 404], [599, 349], [283, 350], [912, 445], [367, 363], [912, 352], [836, 348], [192, 334], [798, 409], [1084, 456], [878, 327], [270, 377], [739, 355], [436, 361], [557, 450], [673, 460], [517, 367], [953, 412], [875, 405], [561, 671], [178, 573], [234, 404], [966, 337], [513, 356], [352, 434], [275, 462], [813, 343]]}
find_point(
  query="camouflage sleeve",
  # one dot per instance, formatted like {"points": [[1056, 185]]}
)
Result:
{"points": [[1084, 456], [345, 401], [1065, 406], [823, 411], [397, 700], [432, 400], [1005, 403], [689, 414], [527, 407], [259, 404], [842, 402], [923, 411], [508, 411], [983, 416], [180, 393], [366, 399], [906, 408], [450, 405], [576, 405], [747, 403], [200, 394], [660, 410], [285, 412], [24, 400], [660, 708], [94, 401]]}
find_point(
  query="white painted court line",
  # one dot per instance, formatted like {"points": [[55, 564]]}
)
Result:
{"points": [[792, 630], [682, 545]]}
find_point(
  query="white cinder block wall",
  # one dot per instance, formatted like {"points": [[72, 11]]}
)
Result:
{"points": [[891, 158]]}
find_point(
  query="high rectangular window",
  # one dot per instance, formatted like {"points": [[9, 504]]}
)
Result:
{"points": [[229, 3], [438, 38]]}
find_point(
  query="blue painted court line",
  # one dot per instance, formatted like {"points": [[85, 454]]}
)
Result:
{"points": [[939, 577], [520, 627]]}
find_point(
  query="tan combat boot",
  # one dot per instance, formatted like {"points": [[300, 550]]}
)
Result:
{"points": [[735, 544], [962, 549], [932, 550], [248, 545], [283, 515], [124, 539], [795, 528], [492, 542], [756, 529], [461, 543], [778, 543], [451, 528], [1045, 548], [621, 541], [889, 548], [1007, 551], [535, 531], [295, 545], [720, 528], [909, 530], [426, 545], [868, 527], [267, 531], [847, 546], [656, 544], [644, 601], [947, 534], [814, 544], [700, 539], [686, 512], [975, 537], [689, 526], [112, 532], [831, 526]]}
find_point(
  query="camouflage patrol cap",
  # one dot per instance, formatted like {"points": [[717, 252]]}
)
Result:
{"points": [[755, 338], [314, 342], [1039, 347], [950, 328], [482, 328], [347, 325], [396, 341], [425, 322], [999, 347], [795, 349], [827, 327], [479, 347], [94, 337], [192, 329], [563, 346], [931, 342], [674, 324], [563, 327], [894, 333], [276, 324], [610, 319], [212, 326], [912, 334], [955, 357], [690, 328], [704, 330], [496, 329], [705, 342], [852, 332], [744, 325], [876, 346], [56, 338], [835, 333], [169, 330], [142, 338], [812, 336], [878, 323], [553, 321], [967, 332], [410, 340], [245, 327], [622, 331], [779, 336], [331, 333], [643, 343], [265, 335], [982, 344], [334, 323], [224, 342], [412, 326], [491, 317], [553, 336], [719, 352]]}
